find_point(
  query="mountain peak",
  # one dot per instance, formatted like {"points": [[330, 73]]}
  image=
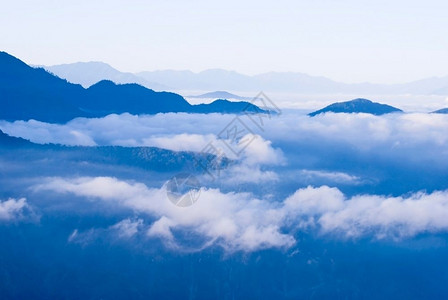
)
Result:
{"points": [[361, 100], [103, 83]]}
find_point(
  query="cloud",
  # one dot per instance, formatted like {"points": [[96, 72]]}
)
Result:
{"points": [[14, 209], [178, 132], [123, 230], [162, 228], [302, 142], [365, 215], [180, 142], [234, 221], [127, 228], [240, 221], [192, 131], [337, 177], [392, 154]]}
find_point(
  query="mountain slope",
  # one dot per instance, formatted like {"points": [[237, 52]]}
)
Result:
{"points": [[441, 111], [106, 97], [29, 93], [357, 106]]}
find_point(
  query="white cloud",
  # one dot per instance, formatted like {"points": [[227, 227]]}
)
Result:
{"points": [[239, 221], [337, 177], [261, 152], [123, 230], [236, 221], [180, 142], [127, 228], [13, 209], [380, 216], [162, 228]]}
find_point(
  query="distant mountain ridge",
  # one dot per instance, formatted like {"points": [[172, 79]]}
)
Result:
{"points": [[359, 105], [33, 93], [89, 73], [218, 80], [220, 95]]}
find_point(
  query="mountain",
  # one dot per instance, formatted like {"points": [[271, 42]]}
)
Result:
{"points": [[227, 107], [214, 79], [441, 111], [357, 106], [89, 73], [29, 93], [106, 97], [220, 95], [33, 93], [217, 79]]}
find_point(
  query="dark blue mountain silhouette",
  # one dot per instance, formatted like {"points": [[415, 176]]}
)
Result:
{"points": [[33, 93], [441, 111], [357, 106], [106, 97], [28, 93]]}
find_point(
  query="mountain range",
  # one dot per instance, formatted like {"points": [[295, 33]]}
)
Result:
{"points": [[89, 73], [218, 79], [33, 93], [220, 95]]}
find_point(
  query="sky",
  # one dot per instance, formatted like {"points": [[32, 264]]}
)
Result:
{"points": [[350, 41]]}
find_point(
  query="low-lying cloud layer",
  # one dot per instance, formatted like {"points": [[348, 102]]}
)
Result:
{"points": [[262, 199], [240, 221], [192, 132]]}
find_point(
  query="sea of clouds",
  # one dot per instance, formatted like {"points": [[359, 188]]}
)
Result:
{"points": [[344, 175]]}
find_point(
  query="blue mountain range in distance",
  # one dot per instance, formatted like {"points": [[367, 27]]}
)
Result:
{"points": [[89, 73], [33, 93], [357, 106], [220, 95]]}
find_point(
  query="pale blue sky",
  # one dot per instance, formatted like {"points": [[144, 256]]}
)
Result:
{"points": [[348, 40]]}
